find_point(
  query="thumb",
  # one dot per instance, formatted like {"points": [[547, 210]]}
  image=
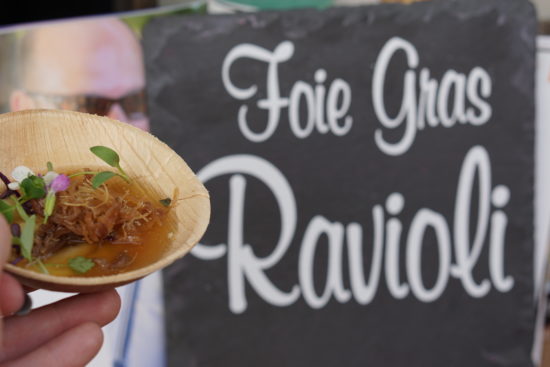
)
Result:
{"points": [[11, 293]]}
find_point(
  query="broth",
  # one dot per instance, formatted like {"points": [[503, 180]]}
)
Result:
{"points": [[110, 256]]}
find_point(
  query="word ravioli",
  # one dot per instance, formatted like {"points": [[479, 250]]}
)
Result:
{"points": [[458, 254]]}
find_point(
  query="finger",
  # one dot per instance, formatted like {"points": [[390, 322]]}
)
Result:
{"points": [[75, 347], [11, 294], [5, 241], [23, 334]]}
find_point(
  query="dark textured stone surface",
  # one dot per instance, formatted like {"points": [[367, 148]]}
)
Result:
{"points": [[342, 178]]}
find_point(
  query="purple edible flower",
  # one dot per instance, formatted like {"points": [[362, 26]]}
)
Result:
{"points": [[60, 183], [15, 230]]}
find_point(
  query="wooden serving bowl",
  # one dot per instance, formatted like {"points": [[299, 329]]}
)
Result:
{"points": [[32, 138]]}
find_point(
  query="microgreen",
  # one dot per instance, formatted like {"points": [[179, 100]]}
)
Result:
{"points": [[58, 183], [101, 177], [27, 237], [166, 202], [33, 187], [7, 210], [20, 210], [49, 205], [110, 157], [81, 264]]}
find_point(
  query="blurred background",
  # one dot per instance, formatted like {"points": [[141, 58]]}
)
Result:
{"points": [[65, 9]]}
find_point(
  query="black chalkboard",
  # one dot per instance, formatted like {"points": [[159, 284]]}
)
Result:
{"points": [[371, 175]]}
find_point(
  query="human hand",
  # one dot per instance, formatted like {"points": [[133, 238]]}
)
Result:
{"points": [[65, 333]]}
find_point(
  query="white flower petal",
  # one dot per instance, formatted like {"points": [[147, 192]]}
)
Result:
{"points": [[13, 186], [20, 173], [50, 176]]}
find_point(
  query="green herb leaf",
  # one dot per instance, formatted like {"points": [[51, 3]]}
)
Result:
{"points": [[49, 205], [81, 264], [123, 174], [22, 213], [50, 166], [108, 155], [166, 202], [27, 237], [33, 187], [101, 177], [7, 210]]}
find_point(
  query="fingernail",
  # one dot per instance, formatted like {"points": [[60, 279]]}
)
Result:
{"points": [[26, 308]]}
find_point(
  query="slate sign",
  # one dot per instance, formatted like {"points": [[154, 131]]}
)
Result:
{"points": [[371, 175]]}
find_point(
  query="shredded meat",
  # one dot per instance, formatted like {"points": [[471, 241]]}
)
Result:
{"points": [[84, 214], [50, 238]]}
